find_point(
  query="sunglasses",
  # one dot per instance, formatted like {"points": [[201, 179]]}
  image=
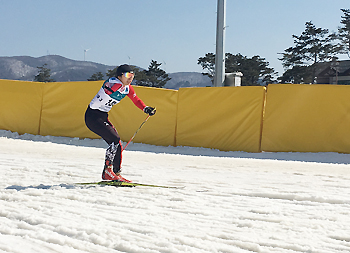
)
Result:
{"points": [[129, 74]]}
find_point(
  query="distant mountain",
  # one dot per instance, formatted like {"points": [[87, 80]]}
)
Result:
{"points": [[64, 70]]}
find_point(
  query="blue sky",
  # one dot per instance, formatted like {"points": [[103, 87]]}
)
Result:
{"points": [[173, 32]]}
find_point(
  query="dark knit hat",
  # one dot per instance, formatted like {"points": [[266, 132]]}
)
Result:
{"points": [[123, 69]]}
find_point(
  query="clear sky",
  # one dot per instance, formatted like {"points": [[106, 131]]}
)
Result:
{"points": [[173, 32]]}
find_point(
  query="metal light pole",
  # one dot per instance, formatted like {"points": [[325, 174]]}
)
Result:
{"points": [[220, 44]]}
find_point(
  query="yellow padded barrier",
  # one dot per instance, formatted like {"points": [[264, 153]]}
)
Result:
{"points": [[64, 107], [301, 118], [224, 118], [159, 129], [20, 106], [307, 118]]}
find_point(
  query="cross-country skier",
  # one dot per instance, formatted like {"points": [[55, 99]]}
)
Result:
{"points": [[111, 93]]}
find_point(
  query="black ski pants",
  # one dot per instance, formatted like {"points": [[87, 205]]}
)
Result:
{"points": [[97, 121]]}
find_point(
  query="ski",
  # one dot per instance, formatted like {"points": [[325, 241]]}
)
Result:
{"points": [[126, 184]]}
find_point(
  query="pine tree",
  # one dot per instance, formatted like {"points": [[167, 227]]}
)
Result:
{"points": [[314, 45], [208, 64], [255, 70], [43, 75], [153, 77], [344, 32], [96, 77], [112, 72]]}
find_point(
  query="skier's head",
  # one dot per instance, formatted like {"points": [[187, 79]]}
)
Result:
{"points": [[125, 74], [125, 68]]}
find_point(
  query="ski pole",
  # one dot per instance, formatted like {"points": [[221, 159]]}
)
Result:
{"points": [[136, 132]]}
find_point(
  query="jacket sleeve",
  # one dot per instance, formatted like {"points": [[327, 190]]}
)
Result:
{"points": [[135, 99]]}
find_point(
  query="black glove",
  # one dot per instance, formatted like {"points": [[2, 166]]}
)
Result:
{"points": [[150, 110]]}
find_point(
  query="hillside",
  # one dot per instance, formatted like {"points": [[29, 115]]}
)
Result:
{"points": [[64, 70]]}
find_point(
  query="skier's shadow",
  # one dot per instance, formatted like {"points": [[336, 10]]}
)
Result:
{"points": [[41, 187]]}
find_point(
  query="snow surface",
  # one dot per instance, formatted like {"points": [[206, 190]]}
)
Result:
{"points": [[232, 201]]}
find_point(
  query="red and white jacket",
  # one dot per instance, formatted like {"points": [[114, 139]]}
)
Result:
{"points": [[111, 93]]}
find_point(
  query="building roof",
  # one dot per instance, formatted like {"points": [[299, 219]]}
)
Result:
{"points": [[328, 69]]}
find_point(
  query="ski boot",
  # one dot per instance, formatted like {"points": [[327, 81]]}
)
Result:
{"points": [[109, 174]]}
